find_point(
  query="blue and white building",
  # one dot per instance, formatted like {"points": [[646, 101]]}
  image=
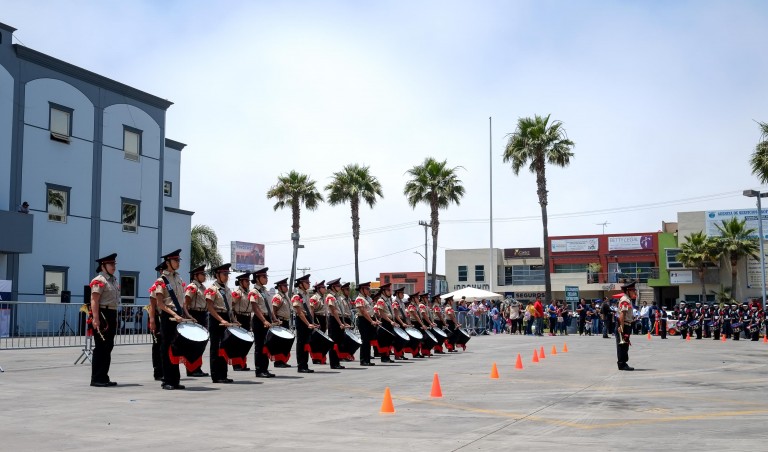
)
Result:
{"points": [[91, 157]]}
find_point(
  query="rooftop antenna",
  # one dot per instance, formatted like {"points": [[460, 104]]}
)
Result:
{"points": [[603, 224]]}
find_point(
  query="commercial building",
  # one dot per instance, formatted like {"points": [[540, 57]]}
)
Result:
{"points": [[413, 281], [91, 158]]}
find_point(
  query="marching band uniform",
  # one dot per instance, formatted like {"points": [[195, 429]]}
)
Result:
{"points": [[282, 314], [755, 322], [698, 314], [196, 307], [167, 290], [219, 309], [424, 315], [384, 315], [154, 328], [243, 311], [450, 324], [365, 324], [304, 323], [336, 325], [683, 313], [104, 320], [706, 315], [726, 321], [414, 319], [437, 319], [262, 320], [345, 314], [736, 318], [624, 326], [401, 319], [319, 313]]}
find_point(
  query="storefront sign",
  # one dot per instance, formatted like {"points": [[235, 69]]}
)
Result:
{"points": [[715, 218], [681, 277], [572, 294], [754, 277], [571, 245], [630, 242], [521, 253]]}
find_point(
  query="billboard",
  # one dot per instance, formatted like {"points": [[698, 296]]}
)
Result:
{"points": [[520, 253], [570, 245], [716, 217], [247, 257], [630, 242], [681, 277]]}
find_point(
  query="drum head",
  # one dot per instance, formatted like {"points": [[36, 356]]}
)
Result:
{"points": [[400, 332], [464, 332], [414, 333], [352, 335], [439, 332], [431, 336], [192, 331], [284, 333], [323, 334], [240, 333]]}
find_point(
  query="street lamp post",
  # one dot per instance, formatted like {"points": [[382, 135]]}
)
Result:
{"points": [[757, 194], [426, 271], [425, 268]]}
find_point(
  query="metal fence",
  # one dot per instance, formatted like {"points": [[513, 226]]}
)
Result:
{"points": [[44, 325]]}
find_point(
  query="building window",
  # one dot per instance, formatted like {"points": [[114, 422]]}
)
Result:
{"points": [[672, 262], [128, 282], [527, 275], [54, 281], [168, 188], [57, 200], [570, 268], [697, 298], [462, 272], [131, 143], [638, 271], [479, 272], [130, 215], [508, 276], [60, 123]]}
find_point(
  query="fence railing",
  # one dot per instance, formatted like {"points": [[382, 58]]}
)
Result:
{"points": [[44, 325]]}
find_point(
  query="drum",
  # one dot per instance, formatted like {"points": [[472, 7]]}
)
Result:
{"points": [[439, 334], [415, 337], [278, 342], [351, 342], [401, 338], [460, 336], [752, 327], [235, 344], [736, 327], [188, 346], [429, 340], [319, 342], [682, 325], [711, 324], [693, 324]]}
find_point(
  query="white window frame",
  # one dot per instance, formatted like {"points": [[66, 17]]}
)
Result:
{"points": [[130, 227], [129, 154], [60, 134], [167, 188], [57, 216]]}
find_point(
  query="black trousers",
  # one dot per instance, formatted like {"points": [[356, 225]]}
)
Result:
{"points": [[102, 348], [698, 331], [622, 350], [260, 359], [337, 334], [582, 322], [663, 328], [245, 322], [609, 326], [367, 333], [302, 340], [201, 317], [157, 361], [287, 325], [716, 332], [385, 340], [218, 363], [170, 370]]}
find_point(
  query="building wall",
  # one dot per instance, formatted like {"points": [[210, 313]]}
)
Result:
{"points": [[6, 129], [172, 173]]}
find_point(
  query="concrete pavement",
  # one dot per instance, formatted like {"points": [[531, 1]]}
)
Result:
{"points": [[700, 394]]}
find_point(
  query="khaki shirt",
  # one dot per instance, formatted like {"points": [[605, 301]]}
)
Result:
{"points": [[196, 293], [255, 295], [625, 310], [381, 308], [213, 295], [107, 287], [343, 304], [363, 302], [318, 306], [280, 303], [240, 303], [162, 291]]}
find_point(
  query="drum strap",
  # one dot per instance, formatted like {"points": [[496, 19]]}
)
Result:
{"points": [[266, 304], [172, 293], [226, 303]]}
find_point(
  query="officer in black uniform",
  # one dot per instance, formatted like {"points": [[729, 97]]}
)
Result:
{"points": [[105, 294], [263, 319], [607, 316], [196, 307], [304, 323], [624, 324], [155, 330], [218, 300]]}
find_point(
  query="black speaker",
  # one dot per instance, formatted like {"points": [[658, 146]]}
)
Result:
{"points": [[87, 295], [66, 296]]}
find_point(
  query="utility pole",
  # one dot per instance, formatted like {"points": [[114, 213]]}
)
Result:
{"points": [[603, 224], [426, 270]]}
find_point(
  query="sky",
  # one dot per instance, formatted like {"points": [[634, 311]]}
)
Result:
{"points": [[660, 98]]}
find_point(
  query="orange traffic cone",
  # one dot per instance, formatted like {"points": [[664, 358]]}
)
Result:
{"points": [[535, 356], [688, 338], [565, 348], [519, 362], [649, 336], [494, 372], [554, 350], [722, 338], [765, 338], [541, 353], [386, 404], [436, 391]]}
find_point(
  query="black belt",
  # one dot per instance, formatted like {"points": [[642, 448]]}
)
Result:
{"points": [[108, 308], [198, 310]]}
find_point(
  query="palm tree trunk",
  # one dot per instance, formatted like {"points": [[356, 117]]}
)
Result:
{"points": [[734, 270], [355, 205], [296, 213], [435, 228], [541, 190], [703, 287]]}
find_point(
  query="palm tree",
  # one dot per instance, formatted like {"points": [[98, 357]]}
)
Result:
{"points": [[723, 296], [540, 143], [435, 184], [292, 190], [759, 159], [354, 183], [204, 248], [56, 199], [698, 251], [736, 241]]}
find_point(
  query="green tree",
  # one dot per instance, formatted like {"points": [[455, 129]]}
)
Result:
{"points": [[55, 198], [294, 190], [435, 184], [723, 296], [204, 249], [697, 252], [538, 142], [353, 184], [759, 159], [736, 241]]}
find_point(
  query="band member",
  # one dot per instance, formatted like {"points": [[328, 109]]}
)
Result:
{"points": [[426, 323], [726, 321], [624, 325], [104, 297], [698, 314], [746, 319], [304, 323], [345, 313], [365, 323], [706, 320], [683, 314], [219, 318], [196, 308], [754, 324], [737, 324], [384, 315], [336, 325], [242, 309], [415, 319], [661, 319], [439, 322], [282, 313], [153, 315], [450, 324], [320, 314], [263, 319], [717, 321], [398, 313]]}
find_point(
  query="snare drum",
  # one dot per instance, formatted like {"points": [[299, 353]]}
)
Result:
{"points": [[319, 342], [429, 340], [415, 337], [460, 336], [682, 325], [235, 345], [278, 343], [737, 327], [401, 338], [693, 324], [350, 343], [439, 334], [188, 346]]}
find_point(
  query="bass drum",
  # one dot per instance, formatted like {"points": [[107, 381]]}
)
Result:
{"points": [[461, 336], [351, 342], [415, 337], [429, 340], [188, 346], [439, 334], [235, 344], [401, 338], [279, 341], [319, 342]]}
